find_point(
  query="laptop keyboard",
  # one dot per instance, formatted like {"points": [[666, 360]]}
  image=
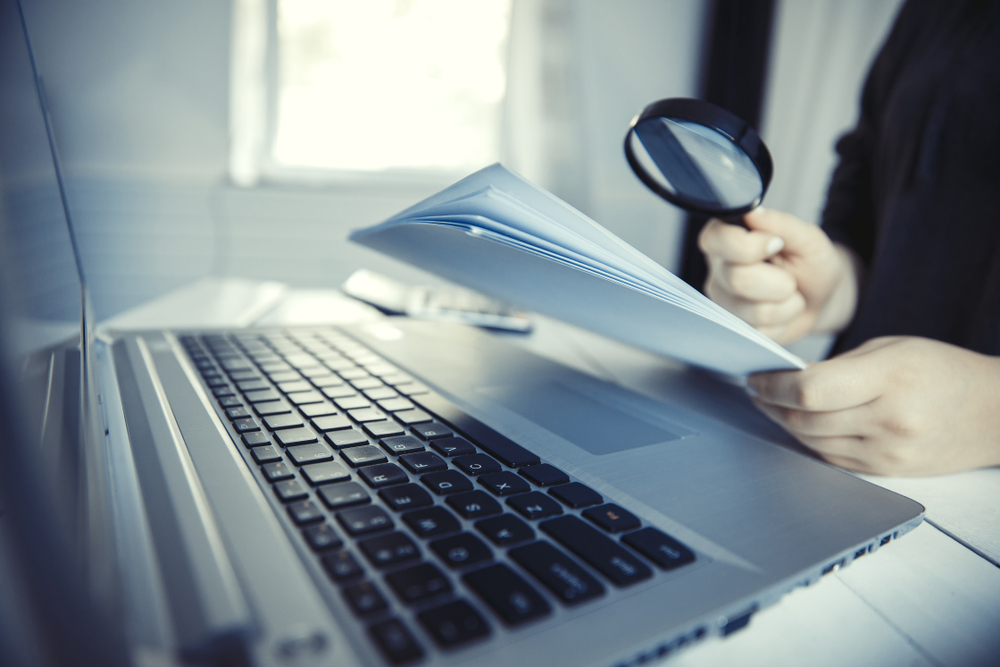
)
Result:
{"points": [[422, 516]]}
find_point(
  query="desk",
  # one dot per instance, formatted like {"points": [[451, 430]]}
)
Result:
{"points": [[931, 598]]}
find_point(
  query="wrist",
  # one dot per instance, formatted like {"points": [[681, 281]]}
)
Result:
{"points": [[839, 309]]}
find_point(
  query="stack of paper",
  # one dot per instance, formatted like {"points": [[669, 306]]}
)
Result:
{"points": [[497, 233]]}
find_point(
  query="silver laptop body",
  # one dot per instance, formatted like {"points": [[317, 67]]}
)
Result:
{"points": [[396, 492]]}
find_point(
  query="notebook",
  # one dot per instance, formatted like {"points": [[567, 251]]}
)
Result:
{"points": [[393, 492]]}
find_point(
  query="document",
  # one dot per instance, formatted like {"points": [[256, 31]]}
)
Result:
{"points": [[501, 235]]}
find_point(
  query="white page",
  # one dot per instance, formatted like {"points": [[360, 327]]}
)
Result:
{"points": [[503, 208]]}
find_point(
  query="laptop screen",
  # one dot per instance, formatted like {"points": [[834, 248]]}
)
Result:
{"points": [[46, 496]]}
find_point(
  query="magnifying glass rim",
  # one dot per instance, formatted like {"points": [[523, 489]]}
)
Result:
{"points": [[709, 115]]}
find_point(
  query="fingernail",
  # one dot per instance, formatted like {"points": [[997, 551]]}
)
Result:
{"points": [[774, 246]]}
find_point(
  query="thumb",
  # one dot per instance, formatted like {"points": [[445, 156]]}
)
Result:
{"points": [[799, 236]]}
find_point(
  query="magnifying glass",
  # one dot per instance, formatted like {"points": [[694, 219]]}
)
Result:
{"points": [[699, 157]]}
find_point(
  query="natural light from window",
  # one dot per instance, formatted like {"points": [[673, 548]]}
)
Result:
{"points": [[381, 84]]}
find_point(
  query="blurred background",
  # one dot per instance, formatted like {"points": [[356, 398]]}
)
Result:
{"points": [[249, 137]]}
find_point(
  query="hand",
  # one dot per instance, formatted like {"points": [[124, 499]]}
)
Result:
{"points": [[893, 406], [783, 276]]}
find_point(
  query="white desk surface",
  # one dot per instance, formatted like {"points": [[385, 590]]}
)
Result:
{"points": [[930, 598]]}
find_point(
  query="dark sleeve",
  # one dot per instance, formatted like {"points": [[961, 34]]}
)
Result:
{"points": [[849, 216]]}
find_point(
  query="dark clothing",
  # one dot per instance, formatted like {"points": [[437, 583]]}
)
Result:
{"points": [[917, 190]]}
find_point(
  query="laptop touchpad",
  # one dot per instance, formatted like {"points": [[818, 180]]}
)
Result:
{"points": [[594, 423]]}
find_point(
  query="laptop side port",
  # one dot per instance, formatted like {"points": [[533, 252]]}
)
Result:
{"points": [[860, 552], [737, 621], [833, 567]]}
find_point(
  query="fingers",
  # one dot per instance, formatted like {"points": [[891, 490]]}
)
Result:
{"points": [[762, 282], [840, 383], [757, 313], [731, 243], [799, 237]]}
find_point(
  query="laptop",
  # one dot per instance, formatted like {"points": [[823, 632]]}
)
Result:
{"points": [[393, 492]]}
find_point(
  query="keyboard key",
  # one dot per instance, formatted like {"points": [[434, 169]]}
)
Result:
{"points": [[505, 530], [474, 504], [343, 494], [510, 596], [272, 408], [347, 438], [386, 550], [419, 582], [324, 473], [303, 454], [294, 386], [261, 396], [405, 497], [362, 520], [363, 455], [423, 462], [331, 423], [303, 397], [252, 385], [535, 505], [504, 483], [290, 490], [558, 572], [339, 390], [283, 376], [237, 413], [453, 447], [432, 430], [395, 641], [461, 550], [476, 464], [281, 421], [364, 598], [403, 444], [507, 451], [612, 518], [576, 495], [384, 428], [446, 482], [246, 425], [229, 401], [410, 417], [265, 454], [255, 439], [278, 471], [432, 522], [317, 409], [341, 566], [222, 391], [363, 415], [659, 547], [294, 436], [380, 393], [368, 384], [322, 537], [544, 474], [305, 511], [384, 474], [395, 404], [605, 555], [454, 623]]}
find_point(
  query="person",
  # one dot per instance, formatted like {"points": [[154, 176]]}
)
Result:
{"points": [[905, 268]]}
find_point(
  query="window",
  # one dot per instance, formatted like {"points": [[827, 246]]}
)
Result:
{"points": [[383, 85]]}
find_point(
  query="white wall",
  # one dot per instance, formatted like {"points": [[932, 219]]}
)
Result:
{"points": [[138, 92]]}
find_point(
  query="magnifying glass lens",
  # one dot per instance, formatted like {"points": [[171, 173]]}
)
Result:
{"points": [[686, 152]]}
